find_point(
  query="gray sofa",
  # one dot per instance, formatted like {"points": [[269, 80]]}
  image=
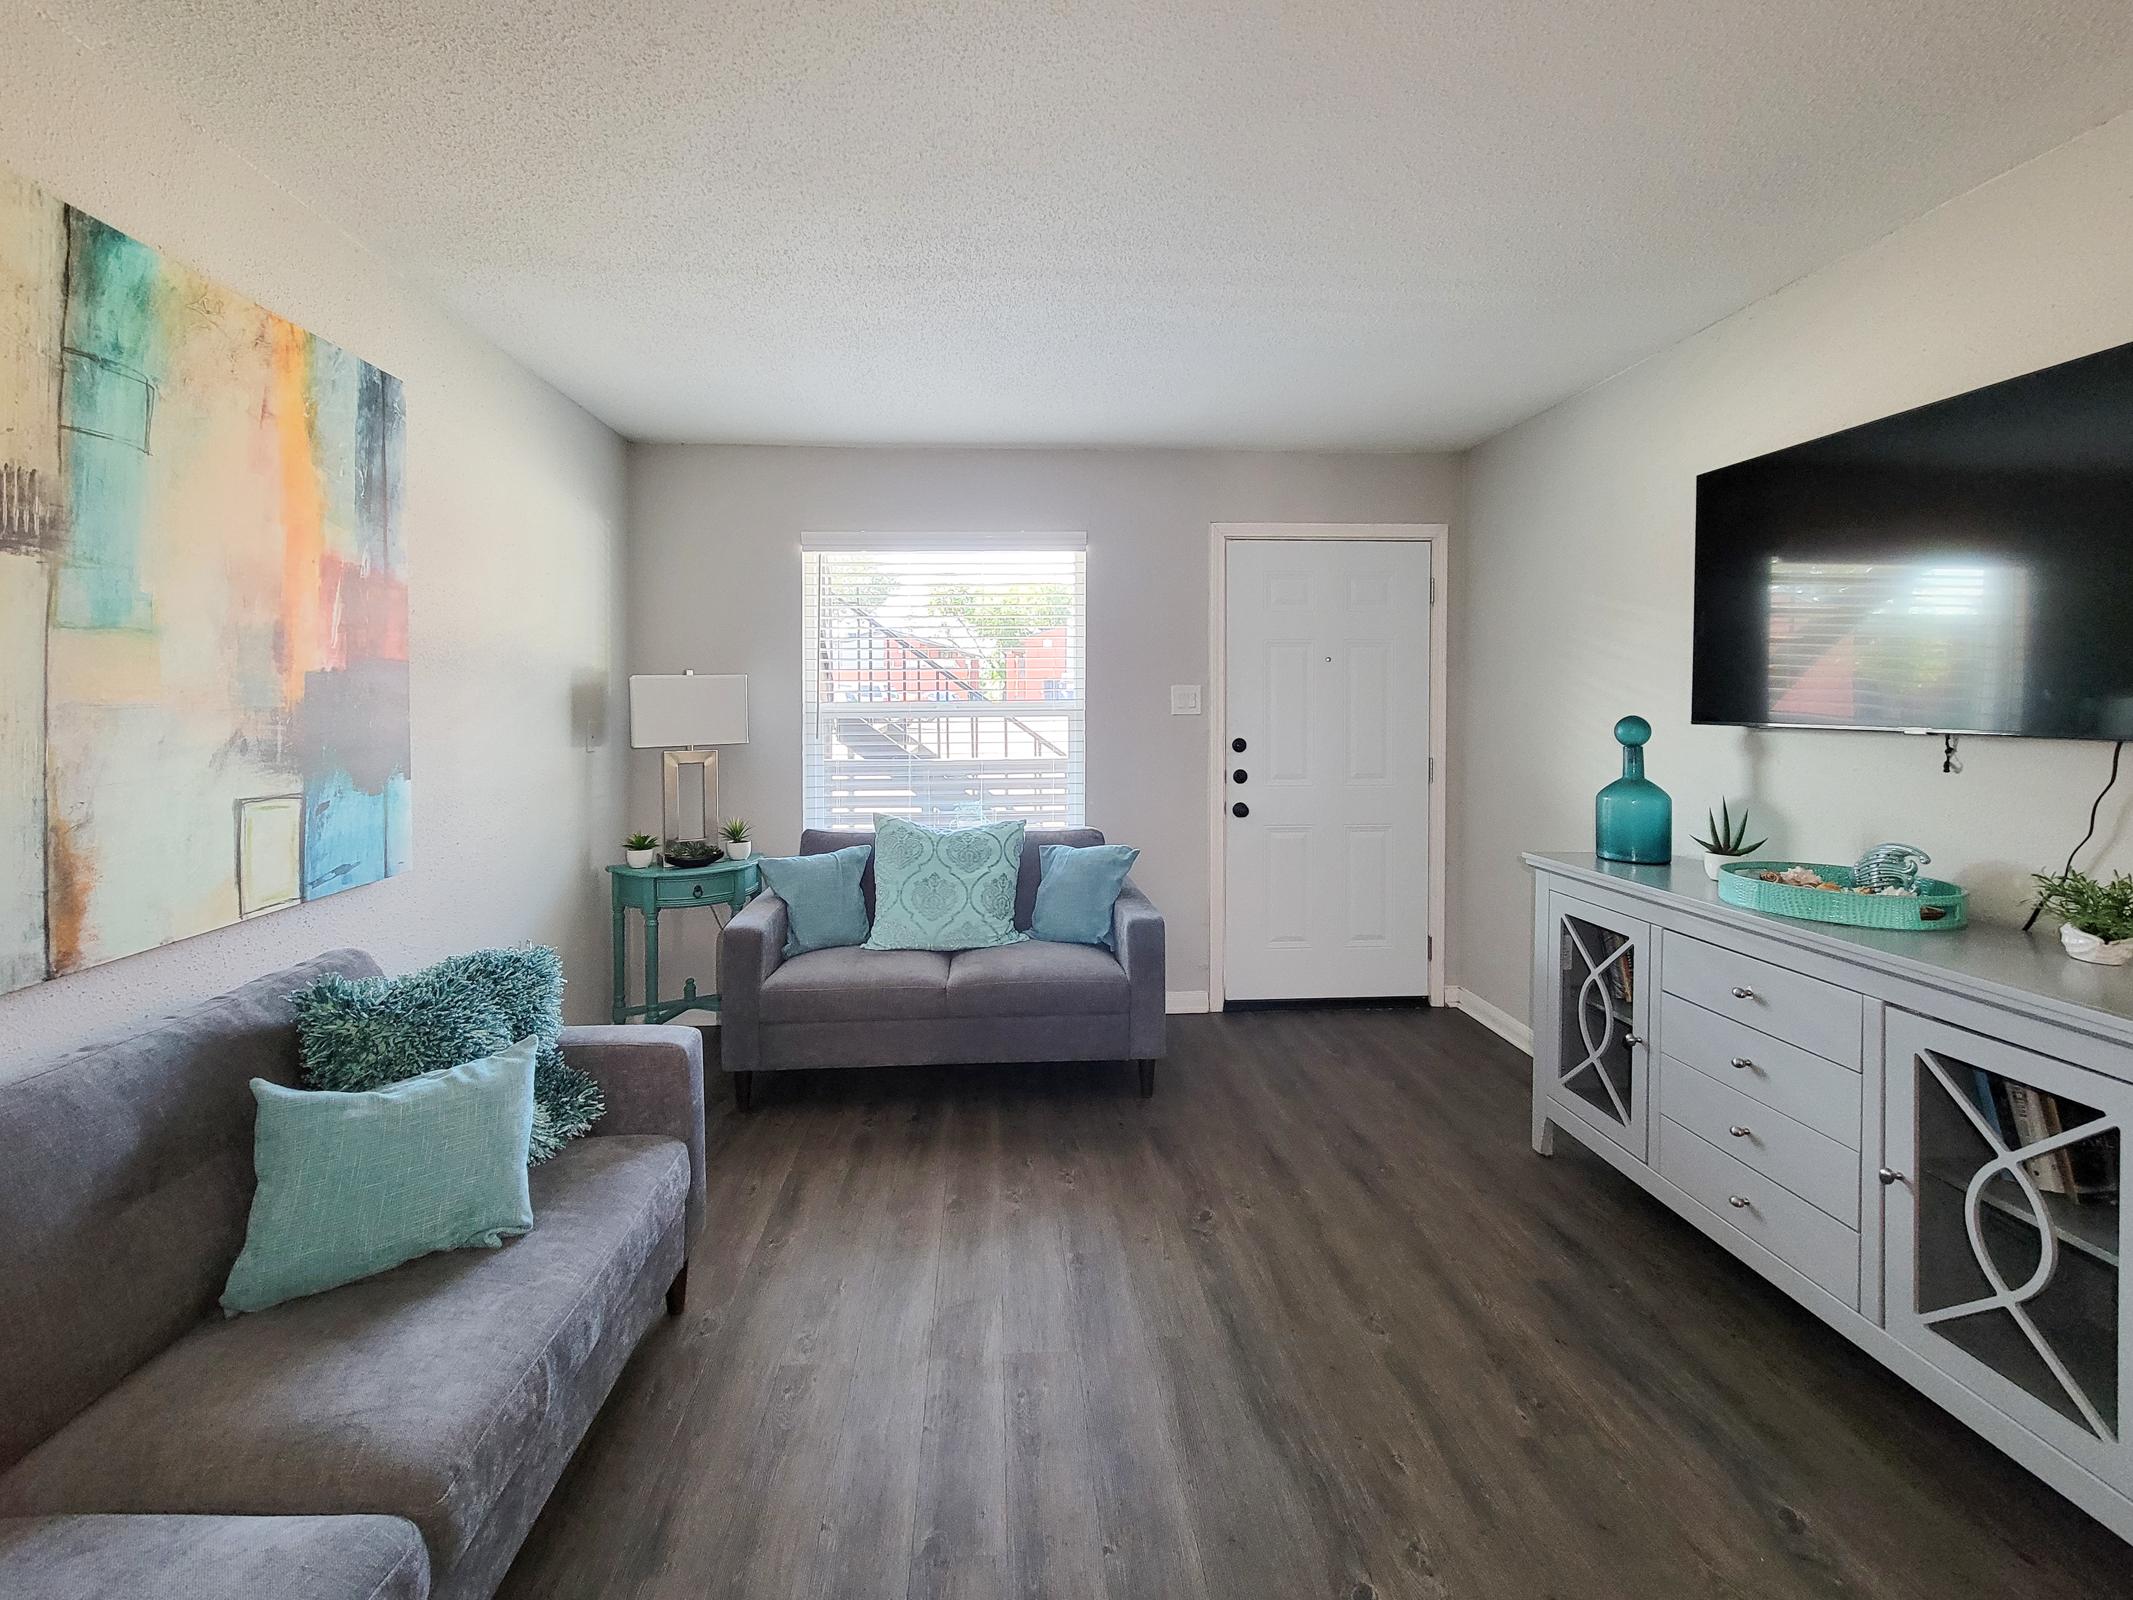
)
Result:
{"points": [[1033, 1001], [390, 1438]]}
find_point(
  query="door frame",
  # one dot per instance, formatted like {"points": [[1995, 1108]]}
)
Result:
{"points": [[1220, 535]]}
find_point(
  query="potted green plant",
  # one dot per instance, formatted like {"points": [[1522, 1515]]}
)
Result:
{"points": [[738, 847], [2095, 919], [1724, 839], [640, 850]]}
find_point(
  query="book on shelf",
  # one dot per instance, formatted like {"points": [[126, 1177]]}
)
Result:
{"points": [[2052, 1171]]}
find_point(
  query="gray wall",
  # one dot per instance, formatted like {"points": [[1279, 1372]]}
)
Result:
{"points": [[514, 512], [715, 585], [1572, 595]]}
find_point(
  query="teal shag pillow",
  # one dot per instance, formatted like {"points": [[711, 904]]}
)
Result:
{"points": [[359, 1034], [945, 890], [351, 1184]]}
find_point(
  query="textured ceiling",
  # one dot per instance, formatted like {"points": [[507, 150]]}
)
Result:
{"points": [[1116, 221]]}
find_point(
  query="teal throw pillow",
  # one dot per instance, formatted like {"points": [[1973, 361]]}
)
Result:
{"points": [[350, 1184], [936, 890], [824, 907], [1078, 887], [364, 1033]]}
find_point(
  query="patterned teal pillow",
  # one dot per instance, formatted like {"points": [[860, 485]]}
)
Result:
{"points": [[364, 1033], [350, 1184], [944, 891]]}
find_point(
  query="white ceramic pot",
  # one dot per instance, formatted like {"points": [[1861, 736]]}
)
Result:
{"points": [[739, 849], [1713, 861], [2098, 952], [640, 858]]}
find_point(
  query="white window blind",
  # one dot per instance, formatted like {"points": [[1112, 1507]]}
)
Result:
{"points": [[943, 680]]}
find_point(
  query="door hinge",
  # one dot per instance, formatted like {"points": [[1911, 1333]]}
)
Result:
{"points": [[1429, 946], [1432, 769], [1432, 588]]}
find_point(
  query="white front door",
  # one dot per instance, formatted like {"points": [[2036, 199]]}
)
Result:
{"points": [[1326, 769]]}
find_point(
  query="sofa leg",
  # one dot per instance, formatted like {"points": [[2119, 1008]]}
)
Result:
{"points": [[1147, 1079], [678, 1291], [743, 1090]]}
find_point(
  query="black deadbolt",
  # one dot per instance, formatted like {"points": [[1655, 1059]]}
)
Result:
{"points": [[1237, 745], [1239, 775], [1240, 809]]}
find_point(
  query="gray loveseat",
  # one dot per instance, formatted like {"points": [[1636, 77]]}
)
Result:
{"points": [[386, 1440], [1033, 1001]]}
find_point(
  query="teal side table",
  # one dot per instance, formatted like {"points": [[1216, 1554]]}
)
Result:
{"points": [[651, 890]]}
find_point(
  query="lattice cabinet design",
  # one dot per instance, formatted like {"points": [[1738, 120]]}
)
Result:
{"points": [[2004, 1230], [1600, 1005]]}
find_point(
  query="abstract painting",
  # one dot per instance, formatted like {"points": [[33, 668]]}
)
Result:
{"points": [[203, 602]]}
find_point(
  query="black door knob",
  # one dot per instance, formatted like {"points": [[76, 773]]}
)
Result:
{"points": [[1240, 809], [1239, 775], [1237, 745]]}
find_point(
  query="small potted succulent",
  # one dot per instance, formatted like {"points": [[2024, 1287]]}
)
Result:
{"points": [[1725, 839], [738, 846], [691, 852], [640, 850], [2095, 919]]}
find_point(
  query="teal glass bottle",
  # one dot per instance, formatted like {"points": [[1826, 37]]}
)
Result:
{"points": [[1632, 818]]}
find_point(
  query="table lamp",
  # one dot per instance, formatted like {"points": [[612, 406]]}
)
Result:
{"points": [[686, 714]]}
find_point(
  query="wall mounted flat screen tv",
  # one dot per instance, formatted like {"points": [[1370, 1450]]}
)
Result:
{"points": [[1966, 567]]}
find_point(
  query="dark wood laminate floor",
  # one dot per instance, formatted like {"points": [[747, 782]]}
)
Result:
{"points": [[1314, 1322]]}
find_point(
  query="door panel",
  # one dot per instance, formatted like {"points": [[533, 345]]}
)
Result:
{"points": [[1598, 1008], [1327, 874], [2003, 1239]]}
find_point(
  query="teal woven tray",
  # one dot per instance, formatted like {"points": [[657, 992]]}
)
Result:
{"points": [[1738, 885]]}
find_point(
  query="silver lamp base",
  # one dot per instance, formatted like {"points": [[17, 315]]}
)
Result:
{"points": [[670, 810]]}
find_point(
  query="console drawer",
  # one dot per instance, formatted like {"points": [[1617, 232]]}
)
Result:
{"points": [[1818, 1247], [1812, 1165], [1785, 1004], [1806, 1087]]}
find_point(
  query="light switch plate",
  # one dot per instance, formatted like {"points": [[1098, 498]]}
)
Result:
{"points": [[1184, 699]]}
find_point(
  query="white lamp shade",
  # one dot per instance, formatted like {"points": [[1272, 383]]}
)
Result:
{"points": [[683, 710]]}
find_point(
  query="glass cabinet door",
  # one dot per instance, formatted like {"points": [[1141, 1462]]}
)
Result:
{"points": [[2003, 1231], [1599, 1007]]}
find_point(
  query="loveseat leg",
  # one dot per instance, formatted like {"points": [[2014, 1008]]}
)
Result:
{"points": [[678, 1291], [743, 1090], [1147, 1079]]}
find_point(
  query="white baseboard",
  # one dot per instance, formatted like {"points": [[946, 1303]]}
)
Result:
{"points": [[1497, 1021], [1185, 1002]]}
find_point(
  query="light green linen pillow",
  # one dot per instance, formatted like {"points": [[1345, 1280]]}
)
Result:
{"points": [[936, 890], [350, 1184]]}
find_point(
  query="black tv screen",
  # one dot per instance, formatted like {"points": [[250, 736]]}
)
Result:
{"points": [[1966, 567]]}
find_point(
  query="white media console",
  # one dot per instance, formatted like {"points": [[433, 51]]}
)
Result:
{"points": [[1918, 1136]]}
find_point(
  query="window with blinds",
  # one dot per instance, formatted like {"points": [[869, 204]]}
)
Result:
{"points": [[943, 680]]}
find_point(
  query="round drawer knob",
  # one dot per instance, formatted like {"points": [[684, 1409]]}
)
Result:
{"points": [[1739, 1202], [1739, 1132], [1742, 992], [1240, 809], [1742, 1063], [1239, 776], [698, 891], [1889, 1175], [1237, 745]]}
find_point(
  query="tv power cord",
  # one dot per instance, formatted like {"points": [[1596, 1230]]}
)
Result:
{"points": [[2096, 808]]}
